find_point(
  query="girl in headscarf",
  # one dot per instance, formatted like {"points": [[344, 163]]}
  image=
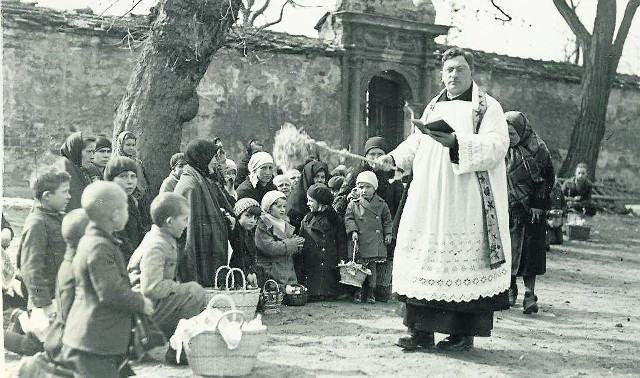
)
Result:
{"points": [[77, 152], [126, 146], [207, 234], [530, 178], [260, 179]]}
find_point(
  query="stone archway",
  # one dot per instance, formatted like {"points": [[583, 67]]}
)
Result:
{"points": [[384, 100]]}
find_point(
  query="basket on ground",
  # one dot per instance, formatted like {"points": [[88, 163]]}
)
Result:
{"points": [[209, 355], [576, 232], [352, 273], [272, 297], [246, 300], [295, 295]]}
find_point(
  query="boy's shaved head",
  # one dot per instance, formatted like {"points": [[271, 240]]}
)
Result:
{"points": [[167, 205], [101, 198], [73, 226]]}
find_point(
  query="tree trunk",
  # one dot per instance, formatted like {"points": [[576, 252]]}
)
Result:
{"points": [[161, 94], [599, 72]]}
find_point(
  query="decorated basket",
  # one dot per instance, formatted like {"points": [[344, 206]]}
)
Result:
{"points": [[272, 297], [352, 273], [246, 300], [209, 355]]}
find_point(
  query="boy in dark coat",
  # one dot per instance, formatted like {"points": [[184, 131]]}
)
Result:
{"points": [[368, 221], [325, 243], [98, 328], [247, 212], [578, 190]]}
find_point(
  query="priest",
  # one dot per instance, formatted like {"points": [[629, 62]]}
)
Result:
{"points": [[453, 252]]}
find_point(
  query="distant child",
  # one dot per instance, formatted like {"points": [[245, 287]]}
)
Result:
{"points": [[294, 176], [98, 328], [122, 171], [74, 225], [248, 213], [325, 242], [276, 242], [283, 184], [578, 191], [368, 221], [126, 145], [42, 248], [100, 158], [177, 164], [153, 267], [230, 174]]}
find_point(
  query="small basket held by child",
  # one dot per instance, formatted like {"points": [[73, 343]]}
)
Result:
{"points": [[352, 273], [245, 299], [272, 297]]}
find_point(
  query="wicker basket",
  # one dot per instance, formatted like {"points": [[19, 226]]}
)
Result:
{"points": [[575, 232], [246, 300], [352, 273], [272, 297], [298, 297], [209, 355]]}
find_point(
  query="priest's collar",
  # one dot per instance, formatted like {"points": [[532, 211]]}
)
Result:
{"points": [[465, 96]]}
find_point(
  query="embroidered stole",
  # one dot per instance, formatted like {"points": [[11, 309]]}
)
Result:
{"points": [[490, 216]]}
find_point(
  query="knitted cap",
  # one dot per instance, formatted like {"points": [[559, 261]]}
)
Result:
{"points": [[73, 226], [258, 160], [117, 165], [231, 164], [243, 204], [335, 182], [176, 159], [102, 142], [321, 193], [375, 142], [271, 197], [281, 179], [368, 177]]}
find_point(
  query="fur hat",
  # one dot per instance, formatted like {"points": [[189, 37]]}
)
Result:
{"points": [[368, 177], [271, 197], [177, 159], [117, 165], [258, 160], [375, 142], [335, 182], [321, 193], [243, 204]]}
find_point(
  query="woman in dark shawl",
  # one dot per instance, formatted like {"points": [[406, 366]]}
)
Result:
{"points": [[207, 234], [77, 151], [530, 179]]}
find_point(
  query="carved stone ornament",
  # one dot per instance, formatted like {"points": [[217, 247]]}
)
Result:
{"points": [[409, 10]]}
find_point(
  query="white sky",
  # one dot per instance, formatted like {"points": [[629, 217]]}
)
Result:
{"points": [[536, 31]]}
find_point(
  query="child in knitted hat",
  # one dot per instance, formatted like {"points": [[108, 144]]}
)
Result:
{"points": [[247, 212], [325, 241], [276, 241], [368, 222], [176, 163]]}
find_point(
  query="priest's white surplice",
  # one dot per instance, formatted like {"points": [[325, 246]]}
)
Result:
{"points": [[442, 249]]}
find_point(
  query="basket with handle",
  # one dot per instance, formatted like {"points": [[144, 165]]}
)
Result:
{"points": [[245, 299], [272, 297], [209, 355], [352, 273]]}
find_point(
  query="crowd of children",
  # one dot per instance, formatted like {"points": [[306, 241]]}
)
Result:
{"points": [[118, 253]]}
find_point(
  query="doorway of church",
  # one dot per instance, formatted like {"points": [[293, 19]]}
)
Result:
{"points": [[384, 107]]}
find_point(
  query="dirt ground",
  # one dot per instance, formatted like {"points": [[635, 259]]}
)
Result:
{"points": [[588, 325]]}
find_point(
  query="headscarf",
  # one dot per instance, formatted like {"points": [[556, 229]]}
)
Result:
{"points": [[257, 160], [525, 160], [231, 165], [199, 154], [282, 179], [72, 148], [118, 151]]}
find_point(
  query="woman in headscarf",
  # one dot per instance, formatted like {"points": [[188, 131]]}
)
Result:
{"points": [[207, 233], [530, 179], [260, 179], [313, 172], [126, 146], [252, 147], [77, 152]]}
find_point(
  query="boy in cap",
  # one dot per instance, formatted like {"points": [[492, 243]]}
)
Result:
{"points": [[98, 328], [153, 267], [100, 158], [368, 222], [176, 163], [325, 242]]}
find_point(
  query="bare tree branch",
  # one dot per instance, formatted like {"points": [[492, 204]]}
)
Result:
{"points": [[261, 10], [280, 17], [582, 34], [507, 17], [623, 31]]}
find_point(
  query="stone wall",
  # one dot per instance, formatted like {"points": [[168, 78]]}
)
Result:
{"points": [[58, 79]]}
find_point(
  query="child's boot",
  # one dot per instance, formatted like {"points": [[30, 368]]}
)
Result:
{"points": [[530, 304], [357, 296], [371, 297]]}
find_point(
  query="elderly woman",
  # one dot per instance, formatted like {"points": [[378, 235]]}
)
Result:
{"points": [[530, 179], [260, 179], [208, 230]]}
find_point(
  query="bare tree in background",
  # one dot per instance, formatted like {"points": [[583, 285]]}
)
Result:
{"points": [[253, 11], [601, 55]]}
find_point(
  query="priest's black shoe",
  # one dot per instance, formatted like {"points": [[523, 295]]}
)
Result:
{"points": [[416, 341], [456, 343]]}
